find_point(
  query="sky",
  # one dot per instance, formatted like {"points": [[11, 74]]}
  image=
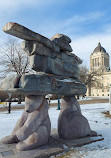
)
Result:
{"points": [[86, 22]]}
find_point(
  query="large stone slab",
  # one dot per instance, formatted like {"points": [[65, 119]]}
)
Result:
{"points": [[42, 84], [35, 47], [53, 66], [54, 147], [26, 34], [77, 142], [51, 149], [36, 43]]}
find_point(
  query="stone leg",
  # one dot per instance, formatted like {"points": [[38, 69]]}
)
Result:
{"points": [[37, 139], [13, 138], [9, 139], [20, 122], [33, 128], [71, 123]]}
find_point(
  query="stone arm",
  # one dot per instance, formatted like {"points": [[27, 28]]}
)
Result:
{"points": [[20, 122], [33, 122]]}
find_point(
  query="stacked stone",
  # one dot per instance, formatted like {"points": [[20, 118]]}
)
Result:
{"points": [[56, 73], [53, 58], [46, 60]]}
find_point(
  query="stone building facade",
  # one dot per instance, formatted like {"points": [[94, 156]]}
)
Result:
{"points": [[100, 65]]}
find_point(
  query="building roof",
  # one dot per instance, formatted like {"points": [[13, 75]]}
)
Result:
{"points": [[99, 48]]}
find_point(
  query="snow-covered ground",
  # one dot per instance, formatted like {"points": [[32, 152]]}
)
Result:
{"points": [[2, 104], [5, 104], [97, 121]]}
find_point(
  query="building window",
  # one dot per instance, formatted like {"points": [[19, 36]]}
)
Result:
{"points": [[102, 90], [102, 94], [108, 94], [93, 62], [97, 94]]}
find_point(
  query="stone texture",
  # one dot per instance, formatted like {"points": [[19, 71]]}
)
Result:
{"points": [[71, 123], [62, 38], [32, 37], [61, 77], [73, 59], [53, 66], [76, 142], [63, 45], [33, 128], [32, 48], [54, 147], [62, 41], [43, 84], [7, 153], [38, 48], [26, 34]]}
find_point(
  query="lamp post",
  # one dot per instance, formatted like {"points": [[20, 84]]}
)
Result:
{"points": [[58, 108], [9, 107], [49, 98]]}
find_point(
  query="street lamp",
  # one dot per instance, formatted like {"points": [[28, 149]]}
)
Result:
{"points": [[58, 108], [10, 98]]}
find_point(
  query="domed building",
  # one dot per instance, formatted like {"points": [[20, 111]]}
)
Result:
{"points": [[100, 66], [99, 59]]}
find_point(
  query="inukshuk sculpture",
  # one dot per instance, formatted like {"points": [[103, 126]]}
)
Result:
{"points": [[56, 73]]}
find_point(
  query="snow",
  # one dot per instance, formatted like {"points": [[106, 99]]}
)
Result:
{"points": [[102, 125], [54, 101], [5, 104], [93, 98], [69, 80], [66, 80], [97, 120], [8, 121]]}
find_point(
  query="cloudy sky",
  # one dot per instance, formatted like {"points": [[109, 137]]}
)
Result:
{"points": [[86, 22]]}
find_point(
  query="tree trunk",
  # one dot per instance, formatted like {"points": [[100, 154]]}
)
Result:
{"points": [[19, 99], [89, 90]]}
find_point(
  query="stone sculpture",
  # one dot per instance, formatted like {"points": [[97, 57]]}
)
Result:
{"points": [[33, 128], [56, 73], [71, 123]]}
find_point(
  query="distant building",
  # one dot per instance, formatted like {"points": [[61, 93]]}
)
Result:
{"points": [[99, 62]]}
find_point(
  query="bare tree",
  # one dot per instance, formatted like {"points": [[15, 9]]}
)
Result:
{"points": [[90, 79], [83, 72], [12, 59]]}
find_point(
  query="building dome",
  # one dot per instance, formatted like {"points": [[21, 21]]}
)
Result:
{"points": [[99, 48]]}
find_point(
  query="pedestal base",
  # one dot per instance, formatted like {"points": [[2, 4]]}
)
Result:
{"points": [[54, 147]]}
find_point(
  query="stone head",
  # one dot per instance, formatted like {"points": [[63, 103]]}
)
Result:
{"points": [[32, 103]]}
